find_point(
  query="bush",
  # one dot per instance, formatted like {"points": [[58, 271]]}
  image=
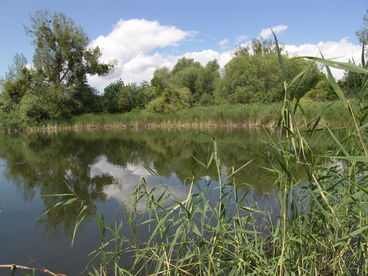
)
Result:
{"points": [[171, 101], [322, 92], [50, 103]]}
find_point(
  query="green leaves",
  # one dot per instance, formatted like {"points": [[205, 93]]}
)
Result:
{"points": [[70, 200], [348, 66]]}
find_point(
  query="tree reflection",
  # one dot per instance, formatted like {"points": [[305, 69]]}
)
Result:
{"points": [[44, 163]]}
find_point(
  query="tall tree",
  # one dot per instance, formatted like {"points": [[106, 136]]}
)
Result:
{"points": [[362, 35], [253, 75], [354, 83], [62, 55]]}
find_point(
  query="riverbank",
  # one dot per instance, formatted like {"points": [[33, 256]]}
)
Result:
{"points": [[211, 117]]}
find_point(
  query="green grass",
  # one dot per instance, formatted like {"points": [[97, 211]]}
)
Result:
{"points": [[321, 227], [222, 116]]}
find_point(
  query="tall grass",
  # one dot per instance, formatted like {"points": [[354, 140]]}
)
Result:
{"points": [[223, 116], [320, 227]]}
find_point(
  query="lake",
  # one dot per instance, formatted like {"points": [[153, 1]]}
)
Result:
{"points": [[103, 168]]}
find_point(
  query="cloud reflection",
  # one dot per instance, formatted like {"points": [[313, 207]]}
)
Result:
{"points": [[126, 178]]}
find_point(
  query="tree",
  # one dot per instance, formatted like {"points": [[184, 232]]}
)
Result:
{"points": [[110, 98], [62, 54], [160, 78], [362, 35], [323, 91], [56, 86], [14, 85], [254, 75], [170, 101], [133, 96], [353, 83], [192, 75], [183, 63]]}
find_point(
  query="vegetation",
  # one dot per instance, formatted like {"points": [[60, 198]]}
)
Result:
{"points": [[222, 116], [55, 88], [321, 227]]}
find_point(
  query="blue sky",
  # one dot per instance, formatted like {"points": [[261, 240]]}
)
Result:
{"points": [[143, 35]]}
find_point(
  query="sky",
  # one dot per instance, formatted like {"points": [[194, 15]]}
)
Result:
{"points": [[144, 35]]}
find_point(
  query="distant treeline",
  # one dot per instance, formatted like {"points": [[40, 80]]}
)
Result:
{"points": [[55, 87]]}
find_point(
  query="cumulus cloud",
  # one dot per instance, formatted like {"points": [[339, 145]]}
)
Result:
{"points": [[266, 33], [129, 43], [207, 55], [131, 37], [342, 50], [125, 181], [223, 43], [241, 38], [135, 43]]}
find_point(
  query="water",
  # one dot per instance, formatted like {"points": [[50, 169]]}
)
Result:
{"points": [[104, 168]]}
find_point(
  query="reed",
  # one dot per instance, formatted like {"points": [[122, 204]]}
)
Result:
{"points": [[219, 116], [320, 227]]}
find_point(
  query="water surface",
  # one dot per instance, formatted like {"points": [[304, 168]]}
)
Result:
{"points": [[104, 168]]}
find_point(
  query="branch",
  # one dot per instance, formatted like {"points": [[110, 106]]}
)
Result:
{"points": [[64, 75], [13, 267]]}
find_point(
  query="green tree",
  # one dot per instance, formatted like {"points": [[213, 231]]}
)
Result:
{"points": [[183, 63], [362, 35], [14, 85], [254, 75], [62, 54], [170, 101], [87, 99], [133, 96], [354, 83], [323, 91], [63, 60], [45, 102], [208, 78], [56, 86], [192, 75], [110, 98], [160, 78]]}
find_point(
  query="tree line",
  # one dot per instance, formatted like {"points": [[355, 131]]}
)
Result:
{"points": [[55, 87]]}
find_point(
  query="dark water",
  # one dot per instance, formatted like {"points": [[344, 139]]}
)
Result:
{"points": [[104, 169]]}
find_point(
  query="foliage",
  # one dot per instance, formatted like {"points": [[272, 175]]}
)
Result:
{"points": [[323, 91], [160, 78], [320, 226], [120, 97], [362, 34], [62, 54], [134, 96], [352, 82], [56, 85], [253, 75], [63, 60], [110, 98], [87, 100], [200, 80], [170, 101], [14, 88], [45, 103]]}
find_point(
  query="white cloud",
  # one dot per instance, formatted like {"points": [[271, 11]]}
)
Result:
{"points": [[133, 43], [131, 37], [129, 43], [125, 181], [266, 33], [241, 38], [207, 55], [223, 43], [342, 50]]}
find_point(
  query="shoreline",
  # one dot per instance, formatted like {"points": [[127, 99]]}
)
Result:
{"points": [[248, 116]]}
